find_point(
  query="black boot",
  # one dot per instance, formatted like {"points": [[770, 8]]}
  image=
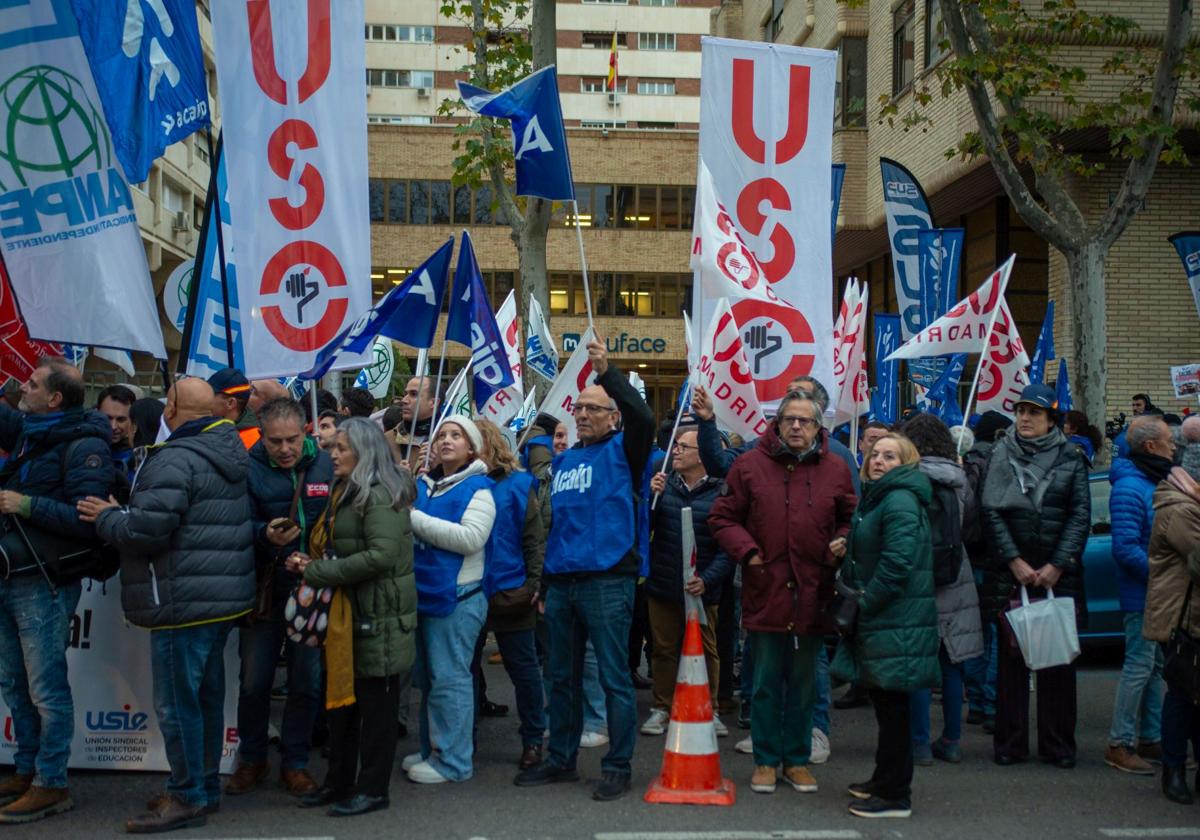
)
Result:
{"points": [[1174, 785]]}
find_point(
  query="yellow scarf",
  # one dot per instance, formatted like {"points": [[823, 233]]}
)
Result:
{"points": [[339, 638]]}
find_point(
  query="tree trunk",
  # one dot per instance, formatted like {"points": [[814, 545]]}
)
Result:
{"points": [[531, 252], [1085, 274]]}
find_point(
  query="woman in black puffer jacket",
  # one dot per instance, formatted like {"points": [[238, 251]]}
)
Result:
{"points": [[1037, 512]]}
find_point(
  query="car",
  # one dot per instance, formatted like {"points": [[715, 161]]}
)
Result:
{"points": [[1105, 621]]}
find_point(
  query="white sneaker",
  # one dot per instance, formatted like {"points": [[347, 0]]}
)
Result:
{"points": [[656, 724], [426, 774], [722, 729], [593, 739], [411, 761], [820, 747], [746, 745]]}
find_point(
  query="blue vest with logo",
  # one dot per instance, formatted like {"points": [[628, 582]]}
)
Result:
{"points": [[591, 500], [436, 569], [505, 565]]}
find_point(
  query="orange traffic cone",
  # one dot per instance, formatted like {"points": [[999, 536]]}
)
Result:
{"points": [[691, 770]]}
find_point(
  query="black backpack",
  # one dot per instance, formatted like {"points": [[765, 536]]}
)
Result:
{"points": [[945, 521]]}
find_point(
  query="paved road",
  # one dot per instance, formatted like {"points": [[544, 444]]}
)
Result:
{"points": [[976, 799]]}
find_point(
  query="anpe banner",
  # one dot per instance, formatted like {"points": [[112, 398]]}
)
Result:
{"points": [[885, 399], [505, 404], [113, 691], [1187, 245], [724, 372], [149, 68], [907, 212], [766, 129], [71, 240], [293, 98]]}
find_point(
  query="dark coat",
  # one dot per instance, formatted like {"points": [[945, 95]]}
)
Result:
{"points": [[1054, 531], [372, 560], [787, 511], [187, 545], [890, 558], [271, 491], [713, 565], [52, 483]]}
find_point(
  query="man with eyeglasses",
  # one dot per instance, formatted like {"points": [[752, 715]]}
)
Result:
{"points": [[590, 571]]}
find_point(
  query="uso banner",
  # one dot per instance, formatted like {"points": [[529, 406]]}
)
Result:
{"points": [[109, 664], [293, 95], [766, 129], [71, 240]]}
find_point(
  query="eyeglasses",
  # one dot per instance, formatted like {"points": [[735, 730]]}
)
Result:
{"points": [[589, 408], [803, 422], [684, 447]]}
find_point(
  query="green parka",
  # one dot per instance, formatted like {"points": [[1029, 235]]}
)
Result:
{"points": [[373, 561], [890, 558]]}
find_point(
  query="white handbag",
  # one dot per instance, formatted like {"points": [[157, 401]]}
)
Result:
{"points": [[1045, 630]]}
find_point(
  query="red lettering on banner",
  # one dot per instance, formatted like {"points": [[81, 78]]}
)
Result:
{"points": [[935, 334], [729, 354], [302, 134], [262, 50], [723, 392], [584, 373], [788, 146], [752, 219], [739, 405]]}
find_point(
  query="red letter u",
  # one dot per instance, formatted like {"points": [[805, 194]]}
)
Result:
{"points": [[262, 50], [751, 144]]}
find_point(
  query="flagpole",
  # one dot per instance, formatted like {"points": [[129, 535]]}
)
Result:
{"points": [[854, 431], [987, 340], [422, 368], [437, 392], [671, 441], [587, 293]]}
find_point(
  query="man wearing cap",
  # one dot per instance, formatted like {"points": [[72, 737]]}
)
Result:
{"points": [[1037, 513], [231, 401]]}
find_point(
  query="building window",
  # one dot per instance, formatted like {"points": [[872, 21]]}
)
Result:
{"points": [[174, 199], [656, 40], [903, 36], [608, 2], [656, 126], [599, 84], [656, 87], [935, 33], [399, 78], [602, 40], [397, 202], [602, 124], [774, 24], [399, 33], [398, 119], [637, 295], [850, 101], [657, 2]]}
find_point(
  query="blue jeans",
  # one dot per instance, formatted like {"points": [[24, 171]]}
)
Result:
{"points": [[919, 703], [821, 708], [34, 628], [1137, 710], [260, 644], [188, 667], [445, 647], [597, 609], [595, 717], [520, 661], [980, 673]]}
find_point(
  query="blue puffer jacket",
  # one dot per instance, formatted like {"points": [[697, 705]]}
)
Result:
{"points": [[1131, 506]]}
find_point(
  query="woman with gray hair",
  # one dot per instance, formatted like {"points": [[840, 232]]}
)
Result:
{"points": [[363, 545]]}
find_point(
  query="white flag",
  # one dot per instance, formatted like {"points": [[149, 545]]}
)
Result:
{"points": [[457, 399], [540, 353], [504, 405], [849, 356], [724, 372], [576, 375], [689, 340], [964, 328], [1005, 368], [528, 413], [725, 265]]}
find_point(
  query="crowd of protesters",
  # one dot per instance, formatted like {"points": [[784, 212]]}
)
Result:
{"points": [[890, 569]]}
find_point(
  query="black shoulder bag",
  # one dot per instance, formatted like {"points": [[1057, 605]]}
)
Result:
{"points": [[1181, 668]]}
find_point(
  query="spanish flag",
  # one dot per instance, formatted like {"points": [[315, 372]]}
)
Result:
{"points": [[611, 84]]}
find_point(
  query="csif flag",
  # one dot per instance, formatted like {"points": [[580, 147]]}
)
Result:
{"points": [[408, 313], [885, 401], [907, 212], [539, 140], [473, 324], [1044, 351], [1187, 245], [939, 253], [944, 391], [540, 353], [1062, 389], [149, 69]]}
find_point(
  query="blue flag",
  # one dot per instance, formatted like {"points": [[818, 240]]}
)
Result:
{"points": [[1062, 388], [1044, 352], [939, 253], [907, 212], [839, 176], [408, 313], [885, 400], [149, 70], [473, 324], [539, 141], [1187, 245], [945, 391]]}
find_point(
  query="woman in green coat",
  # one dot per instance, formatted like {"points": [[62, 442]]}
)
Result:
{"points": [[894, 649], [365, 544]]}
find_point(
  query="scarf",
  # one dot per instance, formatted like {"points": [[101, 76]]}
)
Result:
{"points": [[1154, 467], [339, 637], [1179, 478], [1031, 461]]}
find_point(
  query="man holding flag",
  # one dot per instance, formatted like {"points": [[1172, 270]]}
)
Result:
{"points": [[591, 568]]}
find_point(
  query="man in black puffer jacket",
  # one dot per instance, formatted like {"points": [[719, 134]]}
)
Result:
{"points": [[687, 486], [187, 572], [58, 455], [289, 487]]}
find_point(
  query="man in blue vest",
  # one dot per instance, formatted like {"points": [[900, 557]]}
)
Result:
{"points": [[590, 570]]}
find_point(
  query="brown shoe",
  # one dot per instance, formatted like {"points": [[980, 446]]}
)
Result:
{"points": [[36, 804], [763, 780], [1126, 760], [246, 777], [531, 756], [800, 778], [14, 787], [1150, 752], [169, 813], [298, 782]]}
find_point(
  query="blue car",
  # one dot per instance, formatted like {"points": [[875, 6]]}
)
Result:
{"points": [[1105, 620]]}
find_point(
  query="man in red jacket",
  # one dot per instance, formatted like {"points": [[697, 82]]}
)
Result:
{"points": [[784, 515]]}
